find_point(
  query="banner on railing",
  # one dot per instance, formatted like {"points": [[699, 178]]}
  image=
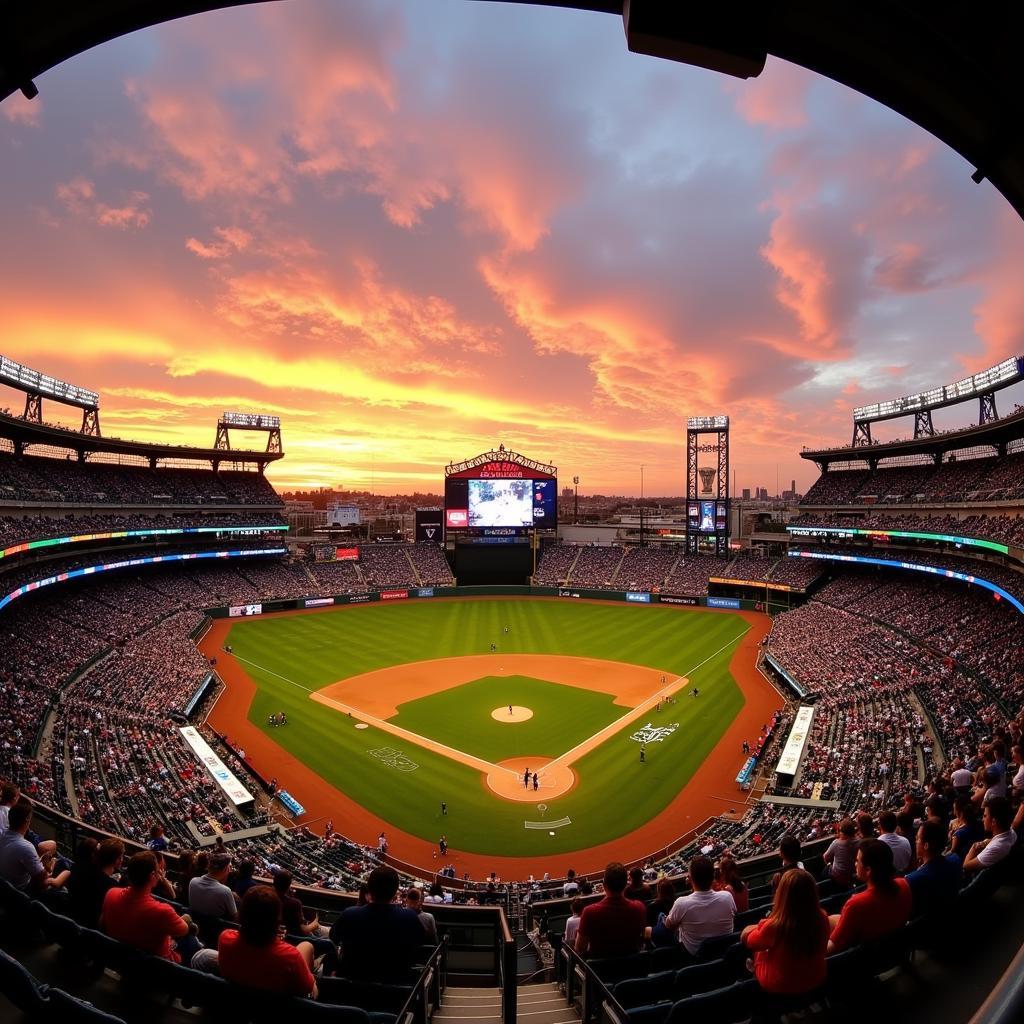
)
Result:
{"points": [[233, 789]]}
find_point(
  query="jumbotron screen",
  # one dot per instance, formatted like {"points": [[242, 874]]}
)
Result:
{"points": [[520, 503]]}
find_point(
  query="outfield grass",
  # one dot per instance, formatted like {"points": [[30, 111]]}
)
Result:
{"points": [[292, 656]]}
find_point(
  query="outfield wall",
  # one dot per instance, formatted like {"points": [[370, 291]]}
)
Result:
{"points": [[425, 593]]}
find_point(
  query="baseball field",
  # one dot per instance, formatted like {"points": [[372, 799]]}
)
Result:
{"points": [[398, 708]]}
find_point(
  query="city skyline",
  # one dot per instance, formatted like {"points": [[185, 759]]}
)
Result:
{"points": [[417, 233]]}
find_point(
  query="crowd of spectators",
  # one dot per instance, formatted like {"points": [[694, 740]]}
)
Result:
{"points": [[36, 478], [664, 569], [984, 479]]}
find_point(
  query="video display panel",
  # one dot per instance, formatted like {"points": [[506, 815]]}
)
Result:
{"points": [[517, 503], [707, 516]]}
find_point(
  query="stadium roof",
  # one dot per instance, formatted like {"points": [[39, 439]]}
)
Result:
{"points": [[24, 432], [997, 433], [952, 68]]}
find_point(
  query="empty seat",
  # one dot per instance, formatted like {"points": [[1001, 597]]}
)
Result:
{"points": [[701, 978], [65, 1007], [618, 968], [18, 985], [723, 1005], [656, 988], [715, 947]]}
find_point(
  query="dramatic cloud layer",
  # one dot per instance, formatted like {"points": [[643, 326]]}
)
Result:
{"points": [[416, 230]]}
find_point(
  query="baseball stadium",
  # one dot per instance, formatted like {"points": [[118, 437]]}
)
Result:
{"points": [[410, 749]]}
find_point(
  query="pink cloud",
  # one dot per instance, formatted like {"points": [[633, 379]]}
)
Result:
{"points": [[999, 316], [79, 197], [19, 110], [777, 98]]}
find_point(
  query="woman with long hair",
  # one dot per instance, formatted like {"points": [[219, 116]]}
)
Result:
{"points": [[256, 955], [789, 945], [729, 879]]}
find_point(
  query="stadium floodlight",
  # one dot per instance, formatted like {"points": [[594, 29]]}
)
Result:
{"points": [[707, 423], [251, 421], [32, 381], [1008, 372]]}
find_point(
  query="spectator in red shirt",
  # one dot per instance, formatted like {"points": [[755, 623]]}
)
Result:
{"points": [[131, 915], [882, 908], [615, 925], [257, 956], [789, 945]]}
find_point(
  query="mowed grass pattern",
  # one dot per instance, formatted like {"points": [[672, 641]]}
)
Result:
{"points": [[290, 657]]}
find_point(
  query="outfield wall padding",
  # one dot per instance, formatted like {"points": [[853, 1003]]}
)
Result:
{"points": [[394, 594]]}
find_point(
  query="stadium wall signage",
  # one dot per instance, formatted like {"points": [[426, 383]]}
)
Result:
{"points": [[394, 595], [317, 602], [849, 532], [675, 599], [83, 538], [723, 602], [131, 563], [638, 597]]}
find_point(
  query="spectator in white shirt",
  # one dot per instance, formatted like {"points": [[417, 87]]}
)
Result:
{"points": [[996, 819], [571, 887], [572, 926], [900, 846], [703, 914], [9, 793]]}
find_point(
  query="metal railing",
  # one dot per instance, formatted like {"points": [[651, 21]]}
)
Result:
{"points": [[429, 988], [587, 992], [508, 971]]}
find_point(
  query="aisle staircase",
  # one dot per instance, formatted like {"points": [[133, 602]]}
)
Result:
{"points": [[537, 1004]]}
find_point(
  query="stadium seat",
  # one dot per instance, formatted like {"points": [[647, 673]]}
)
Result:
{"points": [[193, 988], [667, 958], [369, 995], [701, 978], [714, 948], [103, 951], [723, 1005], [68, 1009], [64, 931], [655, 988], [11, 899], [18, 985], [650, 1014], [618, 968]]}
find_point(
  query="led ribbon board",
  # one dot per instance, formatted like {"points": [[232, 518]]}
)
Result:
{"points": [[82, 538], [848, 531], [91, 570], [934, 570]]}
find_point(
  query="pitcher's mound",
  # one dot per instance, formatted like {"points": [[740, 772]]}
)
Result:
{"points": [[506, 779], [513, 714]]}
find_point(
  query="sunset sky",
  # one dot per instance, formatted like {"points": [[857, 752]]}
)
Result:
{"points": [[416, 230]]}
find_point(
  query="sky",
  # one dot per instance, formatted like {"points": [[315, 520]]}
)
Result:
{"points": [[416, 230]]}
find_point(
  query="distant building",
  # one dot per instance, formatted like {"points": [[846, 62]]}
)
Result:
{"points": [[746, 494]]}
